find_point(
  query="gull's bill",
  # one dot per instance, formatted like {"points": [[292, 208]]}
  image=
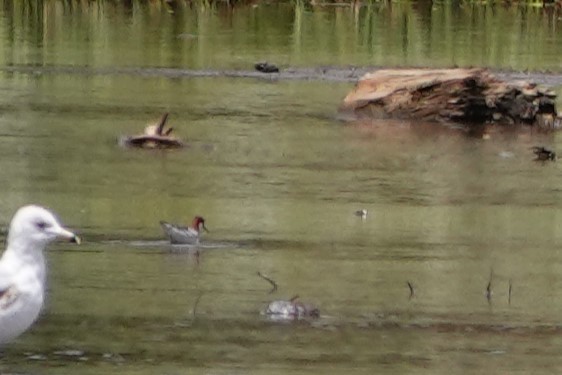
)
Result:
{"points": [[68, 235]]}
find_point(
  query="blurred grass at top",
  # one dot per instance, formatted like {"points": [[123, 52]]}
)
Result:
{"points": [[234, 35]]}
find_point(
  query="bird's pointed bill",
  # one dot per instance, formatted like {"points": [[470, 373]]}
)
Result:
{"points": [[66, 234]]}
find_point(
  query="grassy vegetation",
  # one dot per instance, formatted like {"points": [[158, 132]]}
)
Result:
{"points": [[175, 5], [209, 34]]}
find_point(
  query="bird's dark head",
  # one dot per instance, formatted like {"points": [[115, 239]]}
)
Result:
{"points": [[198, 223]]}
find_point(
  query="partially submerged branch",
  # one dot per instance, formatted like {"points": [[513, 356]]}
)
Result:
{"points": [[412, 291], [273, 283], [154, 136], [489, 291]]}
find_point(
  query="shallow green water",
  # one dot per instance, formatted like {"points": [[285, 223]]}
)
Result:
{"points": [[277, 178]]}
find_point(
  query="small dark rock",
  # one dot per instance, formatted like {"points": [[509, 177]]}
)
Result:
{"points": [[543, 154], [266, 67]]}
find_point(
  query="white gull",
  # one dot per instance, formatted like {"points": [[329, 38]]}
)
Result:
{"points": [[23, 268]]}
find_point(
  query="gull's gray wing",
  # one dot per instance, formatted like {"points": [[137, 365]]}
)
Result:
{"points": [[8, 296], [8, 291]]}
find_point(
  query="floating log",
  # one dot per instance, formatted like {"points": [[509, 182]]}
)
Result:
{"points": [[152, 141], [468, 96], [154, 136]]}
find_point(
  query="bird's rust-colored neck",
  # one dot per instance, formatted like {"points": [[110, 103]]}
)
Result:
{"points": [[197, 222]]}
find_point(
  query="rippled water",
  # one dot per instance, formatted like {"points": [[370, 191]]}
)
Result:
{"points": [[278, 179]]}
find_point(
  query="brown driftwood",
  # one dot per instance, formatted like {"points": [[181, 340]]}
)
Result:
{"points": [[154, 136], [470, 96], [152, 141]]}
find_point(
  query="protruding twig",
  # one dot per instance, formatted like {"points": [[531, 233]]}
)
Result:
{"points": [[197, 256], [412, 291], [489, 291], [273, 283], [194, 310], [294, 298], [161, 123], [509, 292]]}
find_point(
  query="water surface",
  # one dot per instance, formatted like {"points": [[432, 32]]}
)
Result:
{"points": [[277, 177]]}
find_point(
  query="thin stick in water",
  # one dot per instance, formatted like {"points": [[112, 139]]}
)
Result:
{"points": [[412, 291], [509, 292], [194, 310], [161, 123], [273, 283], [489, 291]]}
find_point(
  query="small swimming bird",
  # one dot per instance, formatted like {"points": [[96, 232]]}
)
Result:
{"points": [[361, 213], [543, 154], [23, 268], [292, 309], [185, 235]]}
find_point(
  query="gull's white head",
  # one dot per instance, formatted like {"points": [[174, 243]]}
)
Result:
{"points": [[33, 227]]}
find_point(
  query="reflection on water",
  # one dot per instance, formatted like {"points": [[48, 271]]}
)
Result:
{"points": [[278, 180], [149, 34]]}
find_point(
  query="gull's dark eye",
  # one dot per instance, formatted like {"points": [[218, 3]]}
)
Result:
{"points": [[42, 225]]}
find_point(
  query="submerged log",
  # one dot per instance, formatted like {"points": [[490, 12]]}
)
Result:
{"points": [[151, 141], [469, 96], [154, 136]]}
